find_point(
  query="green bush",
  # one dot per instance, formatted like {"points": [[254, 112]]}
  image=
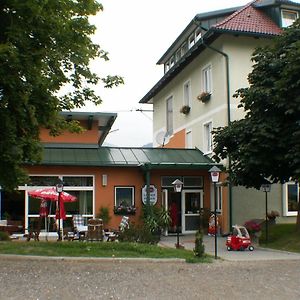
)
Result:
{"points": [[139, 234], [199, 246], [4, 236]]}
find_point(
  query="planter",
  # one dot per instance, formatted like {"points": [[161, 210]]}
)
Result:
{"points": [[185, 109], [123, 211], [204, 97]]}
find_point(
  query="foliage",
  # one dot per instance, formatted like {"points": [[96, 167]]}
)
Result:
{"points": [[266, 143], [282, 237], [204, 97], [273, 214], [104, 215], [199, 246], [185, 109], [92, 249], [156, 218], [4, 236], [124, 210], [252, 227], [45, 51], [138, 234]]}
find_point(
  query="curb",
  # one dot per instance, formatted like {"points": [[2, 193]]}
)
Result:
{"points": [[91, 259]]}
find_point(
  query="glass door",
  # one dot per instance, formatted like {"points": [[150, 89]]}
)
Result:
{"points": [[192, 202]]}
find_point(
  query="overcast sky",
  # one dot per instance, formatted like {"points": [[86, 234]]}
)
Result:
{"points": [[136, 33]]}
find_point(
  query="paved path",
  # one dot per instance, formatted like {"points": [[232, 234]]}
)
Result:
{"points": [[259, 253]]}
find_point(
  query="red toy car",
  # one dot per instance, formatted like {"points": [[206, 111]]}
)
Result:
{"points": [[239, 239]]}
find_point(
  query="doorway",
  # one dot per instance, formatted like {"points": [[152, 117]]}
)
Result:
{"points": [[192, 203]]}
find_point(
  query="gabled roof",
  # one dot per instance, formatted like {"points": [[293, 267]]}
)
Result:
{"points": [[71, 155], [249, 19]]}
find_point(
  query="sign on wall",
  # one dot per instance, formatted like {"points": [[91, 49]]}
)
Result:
{"points": [[153, 194]]}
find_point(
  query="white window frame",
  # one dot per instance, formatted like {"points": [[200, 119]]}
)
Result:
{"points": [[219, 198], [187, 90], [169, 115], [198, 34], [184, 48], [188, 139], [207, 79], [286, 212], [207, 137], [178, 54], [288, 22], [124, 187]]}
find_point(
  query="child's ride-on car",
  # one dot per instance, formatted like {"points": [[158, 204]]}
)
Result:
{"points": [[239, 239]]}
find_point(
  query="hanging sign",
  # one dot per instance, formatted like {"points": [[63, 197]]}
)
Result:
{"points": [[153, 194]]}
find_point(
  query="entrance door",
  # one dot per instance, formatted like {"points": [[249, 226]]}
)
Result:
{"points": [[192, 202]]}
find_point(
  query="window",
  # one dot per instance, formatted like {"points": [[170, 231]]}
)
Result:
{"points": [[188, 140], [178, 55], [170, 115], [187, 93], [124, 196], [172, 62], [191, 41], [291, 198], [207, 137], [184, 49], [198, 34], [207, 79], [288, 17], [167, 67], [193, 181]]}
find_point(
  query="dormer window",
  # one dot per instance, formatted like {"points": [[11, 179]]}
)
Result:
{"points": [[198, 34], [288, 17], [191, 41]]}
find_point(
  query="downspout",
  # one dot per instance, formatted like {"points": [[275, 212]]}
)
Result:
{"points": [[228, 114], [147, 177]]}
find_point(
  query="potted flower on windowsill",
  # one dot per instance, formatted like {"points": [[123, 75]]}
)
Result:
{"points": [[185, 109], [124, 210], [204, 97]]}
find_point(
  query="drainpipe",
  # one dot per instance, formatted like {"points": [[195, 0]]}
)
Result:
{"points": [[228, 113], [147, 175]]}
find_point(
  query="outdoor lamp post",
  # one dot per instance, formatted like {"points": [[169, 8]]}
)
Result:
{"points": [[266, 187], [59, 190], [177, 184], [215, 173]]}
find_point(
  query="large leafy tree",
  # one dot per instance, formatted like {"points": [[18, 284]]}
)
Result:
{"points": [[44, 45], [266, 143]]}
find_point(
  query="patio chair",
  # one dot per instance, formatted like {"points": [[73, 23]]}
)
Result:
{"points": [[79, 229], [95, 230], [113, 235]]}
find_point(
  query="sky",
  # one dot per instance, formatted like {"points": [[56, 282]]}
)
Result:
{"points": [[136, 33]]}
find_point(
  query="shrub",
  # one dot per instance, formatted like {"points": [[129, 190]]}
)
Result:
{"points": [[252, 227], [199, 246], [4, 236]]}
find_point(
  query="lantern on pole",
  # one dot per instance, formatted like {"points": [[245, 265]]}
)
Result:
{"points": [[215, 174], [177, 184]]}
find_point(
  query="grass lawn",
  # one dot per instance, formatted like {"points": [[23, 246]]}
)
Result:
{"points": [[282, 237], [97, 249]]}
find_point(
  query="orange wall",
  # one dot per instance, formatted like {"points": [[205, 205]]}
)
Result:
{"points": [[87, 137], [177, 140], [104, 195]]}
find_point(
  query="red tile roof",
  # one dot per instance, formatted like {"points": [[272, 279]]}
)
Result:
{"points": [[249, 20]]}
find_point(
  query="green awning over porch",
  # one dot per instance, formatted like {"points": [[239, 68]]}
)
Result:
{"points": [[148, 158]]}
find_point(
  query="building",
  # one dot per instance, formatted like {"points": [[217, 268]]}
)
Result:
{"points": [[120, 179], [203, 68]]}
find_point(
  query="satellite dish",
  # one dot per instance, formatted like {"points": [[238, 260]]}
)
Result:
{"points": [[162, 138]]}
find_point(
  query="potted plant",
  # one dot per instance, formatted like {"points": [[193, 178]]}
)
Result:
{"points": [[272, 216], [185, 109], [204, 97], [104, 215], [254, 229]]}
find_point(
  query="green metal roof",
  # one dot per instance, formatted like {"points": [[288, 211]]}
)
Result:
{"points": [[150, 158]]}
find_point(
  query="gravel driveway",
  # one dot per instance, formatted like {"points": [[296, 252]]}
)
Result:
{"points": [[24, 278]]}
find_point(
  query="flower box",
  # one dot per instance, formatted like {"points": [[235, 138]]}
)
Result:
{"points": [[204, 97], [124, 210]]}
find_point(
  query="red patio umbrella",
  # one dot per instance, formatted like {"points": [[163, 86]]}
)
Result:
{"points": [[50, 194]]}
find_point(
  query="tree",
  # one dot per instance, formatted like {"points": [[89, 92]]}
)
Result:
{"points": [[266, 143], [45, 45]]}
